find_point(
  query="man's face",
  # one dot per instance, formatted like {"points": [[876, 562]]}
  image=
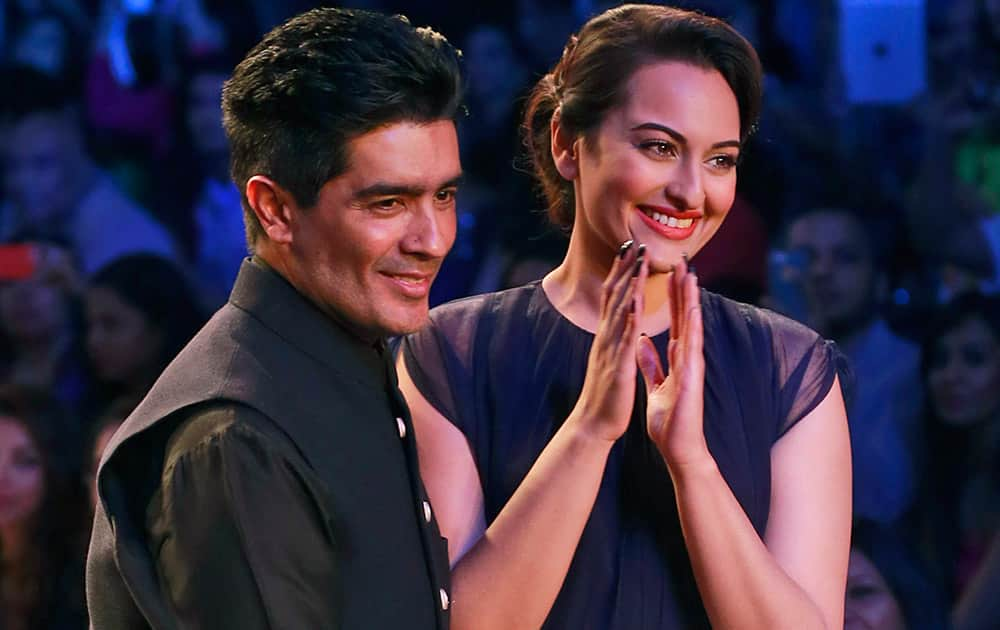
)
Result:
{"points": [[42, 154], [369, 249], [839, 278]]}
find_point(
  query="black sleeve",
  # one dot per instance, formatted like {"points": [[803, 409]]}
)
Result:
{"points": [[238, 532]]}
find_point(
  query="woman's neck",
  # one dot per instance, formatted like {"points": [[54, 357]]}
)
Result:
{"points": [[574, 287], [13, 544]]}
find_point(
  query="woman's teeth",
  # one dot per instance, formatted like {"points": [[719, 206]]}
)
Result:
{"points": [[669, 221]]}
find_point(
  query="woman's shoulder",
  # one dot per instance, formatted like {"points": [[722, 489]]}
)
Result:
{"points": [[770, 325], [487, 309]]}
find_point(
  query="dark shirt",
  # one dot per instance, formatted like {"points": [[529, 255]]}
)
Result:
{"points": [[507, 369], [269, 480]]}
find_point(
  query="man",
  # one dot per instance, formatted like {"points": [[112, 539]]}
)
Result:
{"points": [[270, 479], [54, 189], [842, 282]]}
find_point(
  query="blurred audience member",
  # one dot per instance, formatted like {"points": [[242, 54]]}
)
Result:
{"points": [[494, 206], [40, 333], [960, 502], [870, 603], [100, 435], [202, 201], [53, 188], [140, 312], [47, 42], [542, 27], [842, 281], [887, 589], [979, 606], [41, 525]]}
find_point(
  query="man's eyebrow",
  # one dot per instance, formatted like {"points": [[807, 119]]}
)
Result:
{"points": [[679, 137], [386, 189]]}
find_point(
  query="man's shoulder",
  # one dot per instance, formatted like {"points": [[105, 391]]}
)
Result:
{"points": [[226, 425]]}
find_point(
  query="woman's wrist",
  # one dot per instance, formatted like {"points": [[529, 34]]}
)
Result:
{"points": [[692, 466]]}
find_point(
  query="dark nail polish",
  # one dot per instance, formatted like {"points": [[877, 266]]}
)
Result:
{"points": [[624, 248], [638, 260], [691, 269]]}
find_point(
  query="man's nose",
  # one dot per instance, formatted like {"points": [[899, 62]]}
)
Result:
{"points": [[431, 232]]}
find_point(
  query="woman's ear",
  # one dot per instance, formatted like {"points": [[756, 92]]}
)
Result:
{"points": [[564, 148], [270, 203]]}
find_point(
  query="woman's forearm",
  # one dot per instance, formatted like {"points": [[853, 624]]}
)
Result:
{"points": [[741, 584], [512, 575]]}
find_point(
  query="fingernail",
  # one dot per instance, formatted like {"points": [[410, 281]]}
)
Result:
{"points": [[624, 248], [638, 260], [632, 308], [691, 269], [685, 257]]}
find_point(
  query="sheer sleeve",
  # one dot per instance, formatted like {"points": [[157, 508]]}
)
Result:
{"points": [[805, 368], [440, 359]]}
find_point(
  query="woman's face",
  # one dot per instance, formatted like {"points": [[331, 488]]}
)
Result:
{"points": [[123, 345], [22, 474], [32, 310], [964, 374], [661, 169], [869, 605]]}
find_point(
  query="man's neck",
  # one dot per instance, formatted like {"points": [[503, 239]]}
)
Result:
{"points": [[282, 266]]}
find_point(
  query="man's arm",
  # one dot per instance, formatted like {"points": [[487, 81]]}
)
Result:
{"points": [[236, 531]]}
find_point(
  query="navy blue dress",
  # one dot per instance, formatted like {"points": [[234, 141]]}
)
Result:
{"points": [[507, 368]]}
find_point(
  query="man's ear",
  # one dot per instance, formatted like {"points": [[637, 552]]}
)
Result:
{"points": [[271, 205], [564, 148]]}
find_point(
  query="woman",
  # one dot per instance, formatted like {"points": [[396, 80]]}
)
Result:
{"points": [[140, 312], [41, 541], [40, 340], [961, 489], [567, 498]]}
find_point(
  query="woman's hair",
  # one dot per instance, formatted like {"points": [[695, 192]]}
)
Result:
{"points": [[158, 289], [921, 603], [960, 309], [57, 528], [954, 451], [597, 63]]}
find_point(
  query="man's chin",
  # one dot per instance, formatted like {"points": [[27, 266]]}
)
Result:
{"points": [[405, 323]]}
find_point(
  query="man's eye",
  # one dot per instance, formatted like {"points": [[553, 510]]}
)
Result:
{"points": [[446, 195], [387, 204]]}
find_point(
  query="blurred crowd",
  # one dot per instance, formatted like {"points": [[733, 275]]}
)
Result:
{"points": [[868, 209]]}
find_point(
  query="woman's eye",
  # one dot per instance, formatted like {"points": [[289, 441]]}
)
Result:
{"points": [[723, 162], [659, 148]]}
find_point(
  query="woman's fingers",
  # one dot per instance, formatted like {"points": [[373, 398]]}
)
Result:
{"points": [[615, 274], [648, 361], [694, 328]]}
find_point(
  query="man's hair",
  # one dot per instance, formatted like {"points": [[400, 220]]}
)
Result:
{"points": [[322, 79], [874, 231]]}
